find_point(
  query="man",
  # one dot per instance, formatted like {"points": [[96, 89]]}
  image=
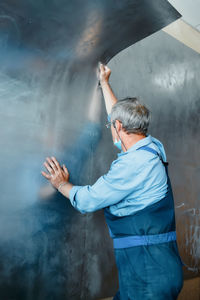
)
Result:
{"points": [[137, 200]]}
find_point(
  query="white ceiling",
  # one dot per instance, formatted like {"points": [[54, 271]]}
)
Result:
{"points": [[190, 10]]}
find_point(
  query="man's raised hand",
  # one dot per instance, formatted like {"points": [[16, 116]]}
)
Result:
{"points": [[104, 73]]}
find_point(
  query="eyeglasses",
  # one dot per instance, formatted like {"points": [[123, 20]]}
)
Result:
{"points": [[108, 125]]}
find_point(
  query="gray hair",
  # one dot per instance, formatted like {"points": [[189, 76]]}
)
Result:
{"points": [[133, 115]]}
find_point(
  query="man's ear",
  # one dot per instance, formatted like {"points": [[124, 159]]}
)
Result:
{"points": [[118, 125]]}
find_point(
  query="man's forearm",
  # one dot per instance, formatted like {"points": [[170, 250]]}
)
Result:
{"points": [[109, 96]]}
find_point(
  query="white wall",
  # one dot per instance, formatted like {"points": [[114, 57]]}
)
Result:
{"points": [[190, 10]]}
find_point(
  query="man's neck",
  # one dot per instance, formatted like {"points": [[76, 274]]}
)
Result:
{"points": [[131, 139]]}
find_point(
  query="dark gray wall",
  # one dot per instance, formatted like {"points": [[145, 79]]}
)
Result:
{"points": [[49, 53], [165, 75]]}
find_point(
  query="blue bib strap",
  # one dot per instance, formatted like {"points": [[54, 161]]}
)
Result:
{"points": [[139, 240], [149, 149]]}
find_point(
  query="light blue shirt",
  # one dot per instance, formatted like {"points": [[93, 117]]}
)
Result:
{"points": [[136, 179]]}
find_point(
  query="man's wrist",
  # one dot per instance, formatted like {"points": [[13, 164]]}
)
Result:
{"points": [[61, 185], [104, 83], [65, 188]]}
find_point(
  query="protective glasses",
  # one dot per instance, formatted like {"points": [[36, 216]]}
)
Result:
{"points": [[108, 125]]}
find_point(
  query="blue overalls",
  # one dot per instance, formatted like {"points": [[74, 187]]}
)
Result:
{"points": [[146, 253]]}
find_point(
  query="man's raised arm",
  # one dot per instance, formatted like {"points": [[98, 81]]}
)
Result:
{"points": [[109, 97]]}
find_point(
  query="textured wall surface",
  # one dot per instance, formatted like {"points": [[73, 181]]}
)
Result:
{"points": [[48, 106]]}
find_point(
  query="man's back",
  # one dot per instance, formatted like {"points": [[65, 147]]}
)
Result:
{"points": [[141, 174]]}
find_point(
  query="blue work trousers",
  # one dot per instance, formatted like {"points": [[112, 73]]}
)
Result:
{"points": [[152, 272]]}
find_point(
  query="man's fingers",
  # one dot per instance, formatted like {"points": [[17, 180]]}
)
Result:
{"points": [[107, 69], [65, 170], [46, 175], [102, 68], [56, 162], [48, 167], [52, 164]]}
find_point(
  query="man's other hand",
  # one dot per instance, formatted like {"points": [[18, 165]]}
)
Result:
{"points": [[104, 73]]}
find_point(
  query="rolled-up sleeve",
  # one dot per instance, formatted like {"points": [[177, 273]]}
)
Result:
{"points": [[109, 189]]}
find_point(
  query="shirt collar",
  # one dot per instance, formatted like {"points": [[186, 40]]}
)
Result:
{"points": [[143, 142]]}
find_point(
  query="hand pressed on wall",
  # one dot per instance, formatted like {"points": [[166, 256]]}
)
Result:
{"points": [[56, 174]]}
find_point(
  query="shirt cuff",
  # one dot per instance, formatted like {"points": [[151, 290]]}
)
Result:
{"points": [[72, 197]]}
